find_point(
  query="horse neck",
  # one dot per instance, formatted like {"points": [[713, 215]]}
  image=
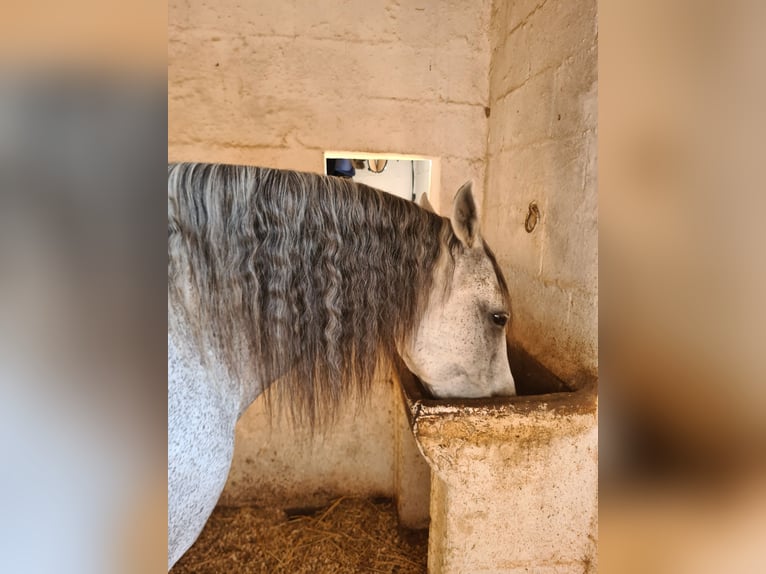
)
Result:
{"points": [[400, 246], [194, 353]]}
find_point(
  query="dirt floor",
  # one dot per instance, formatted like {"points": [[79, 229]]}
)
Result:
{"points": [[348, 536]]}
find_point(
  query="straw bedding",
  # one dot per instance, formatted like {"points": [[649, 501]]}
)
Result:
{"points": [[348, 536]]}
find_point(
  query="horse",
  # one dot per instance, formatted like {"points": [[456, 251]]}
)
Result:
{"points": [[302, 285]]}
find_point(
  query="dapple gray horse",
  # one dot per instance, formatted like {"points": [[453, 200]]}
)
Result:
{"points": [[302, 285]]}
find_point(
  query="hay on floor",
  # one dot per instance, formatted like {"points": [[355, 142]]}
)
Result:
{"points": [[348, 536]]}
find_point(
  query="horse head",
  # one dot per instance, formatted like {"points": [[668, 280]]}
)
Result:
{"points": [[459, 347]]}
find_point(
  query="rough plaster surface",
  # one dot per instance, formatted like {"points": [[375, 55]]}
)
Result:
{"points": [[279, 83], [542, 147], [514, 489], [514, 480], [274, 460]]}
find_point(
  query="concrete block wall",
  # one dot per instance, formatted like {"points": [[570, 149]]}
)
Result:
{"points": [[279, 83], [542, 148]]}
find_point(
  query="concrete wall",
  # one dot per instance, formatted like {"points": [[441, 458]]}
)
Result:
{"points": [[514, 506], [273, 461], [542, 147], [278, 84]]}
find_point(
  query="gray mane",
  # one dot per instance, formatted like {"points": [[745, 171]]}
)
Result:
{"points": [[299, 277]]}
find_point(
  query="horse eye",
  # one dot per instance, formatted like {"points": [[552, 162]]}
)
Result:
{"points": [[500, 319]]}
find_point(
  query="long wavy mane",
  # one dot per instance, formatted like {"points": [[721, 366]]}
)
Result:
{"points": [[299, 277]]}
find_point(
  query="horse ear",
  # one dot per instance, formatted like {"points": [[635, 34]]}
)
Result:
{"points": [[465, 219], [425, 204]]}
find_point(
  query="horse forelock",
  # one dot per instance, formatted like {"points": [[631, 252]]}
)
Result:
{"points": [[306, 278]]}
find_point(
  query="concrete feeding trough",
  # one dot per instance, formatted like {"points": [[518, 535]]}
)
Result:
{"points": [[513, 481]]}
